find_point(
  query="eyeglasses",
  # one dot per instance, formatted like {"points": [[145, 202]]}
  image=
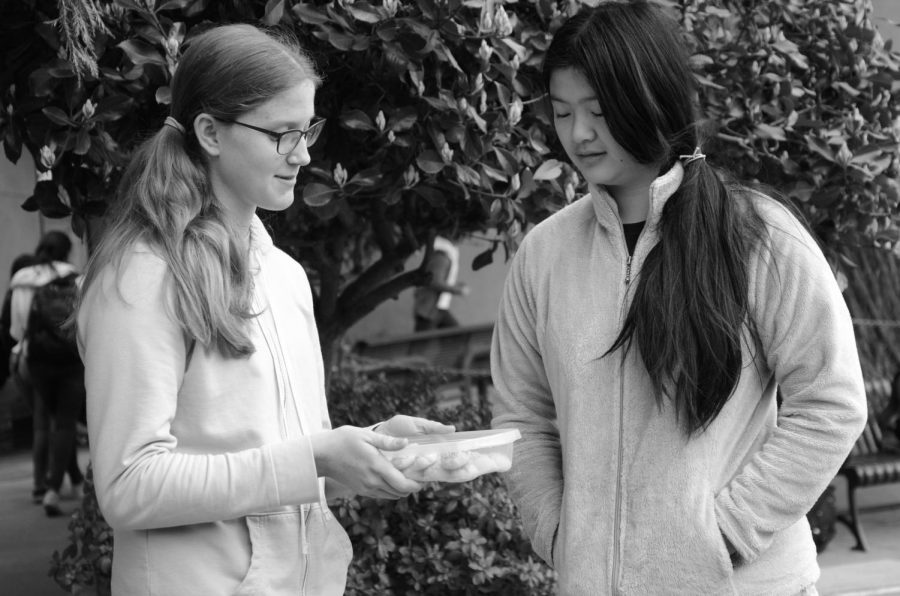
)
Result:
{"points": [[288, 140]]}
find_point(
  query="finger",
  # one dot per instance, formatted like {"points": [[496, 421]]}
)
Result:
{"points": [[386, 442], [397, 482], [427, 427]]}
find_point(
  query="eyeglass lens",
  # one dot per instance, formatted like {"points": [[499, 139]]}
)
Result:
{"points": [[289, 142]]}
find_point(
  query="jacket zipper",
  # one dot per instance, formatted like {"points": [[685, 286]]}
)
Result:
{"points": [[304, 546], [617, 537]]}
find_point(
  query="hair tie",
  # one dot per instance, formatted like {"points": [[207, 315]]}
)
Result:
{"points": [[170, 121], [693, 156]]}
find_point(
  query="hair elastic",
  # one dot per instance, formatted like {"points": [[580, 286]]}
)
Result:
{"points": [[170, 121], [693, 156]]}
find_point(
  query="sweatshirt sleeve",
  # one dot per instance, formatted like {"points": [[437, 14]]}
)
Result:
{"points": [[524, 401], [807, 339], [135, 356]]}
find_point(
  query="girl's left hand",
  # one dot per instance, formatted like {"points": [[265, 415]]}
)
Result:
{"points": [[408, 426]]}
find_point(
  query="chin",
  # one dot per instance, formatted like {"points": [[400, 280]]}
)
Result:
{"points": [[279, 203]]}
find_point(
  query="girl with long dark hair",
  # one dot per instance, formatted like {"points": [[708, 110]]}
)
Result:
{"points": [[644, 332]]}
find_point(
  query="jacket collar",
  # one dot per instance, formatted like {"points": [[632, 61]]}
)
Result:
{"points": [[260, 240], [607, 212]]}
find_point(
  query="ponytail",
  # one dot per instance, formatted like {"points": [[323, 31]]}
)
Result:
{"points": [[165, 200], [692, 296]]}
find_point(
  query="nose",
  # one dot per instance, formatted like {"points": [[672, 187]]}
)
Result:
{"points": [[582, 129], [300, 155]]}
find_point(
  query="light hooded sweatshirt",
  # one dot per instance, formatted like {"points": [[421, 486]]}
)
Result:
{"points": [[23, 285], [203, 464], [634, 504]]}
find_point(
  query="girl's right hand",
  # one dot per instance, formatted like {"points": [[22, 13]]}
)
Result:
{"points": [[351, 456]]}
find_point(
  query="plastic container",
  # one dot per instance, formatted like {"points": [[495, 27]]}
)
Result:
{"points": [[455, 457]]}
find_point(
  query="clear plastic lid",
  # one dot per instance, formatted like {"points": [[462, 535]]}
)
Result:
{"points": [[459, 441]]}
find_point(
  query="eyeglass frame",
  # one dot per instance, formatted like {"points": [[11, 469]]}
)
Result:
{"points": [[314, 127]]}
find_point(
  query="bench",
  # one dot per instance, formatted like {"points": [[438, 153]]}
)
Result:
{"points": [[464, 347], [464, 350], [873, 460]]}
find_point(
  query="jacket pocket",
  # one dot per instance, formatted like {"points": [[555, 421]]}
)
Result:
{"points": [[276, 561], [718, 543], [329, 554]]}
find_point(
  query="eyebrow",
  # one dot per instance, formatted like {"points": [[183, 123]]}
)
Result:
{"points": [[293, 124], [581, 101]]}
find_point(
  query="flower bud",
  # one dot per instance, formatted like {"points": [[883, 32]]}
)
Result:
{"points": [[515, 111], [172, 46], [88, 109], [379, 121], [485, 51], [501, 22], [391, 137], [339, 175], [391, 6], [48, 157], [486, 21], [410, 177], [446, 153]]}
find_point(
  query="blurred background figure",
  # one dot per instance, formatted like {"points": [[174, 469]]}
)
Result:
{"points": [[432, 301], [6, 340], [48, 365]]}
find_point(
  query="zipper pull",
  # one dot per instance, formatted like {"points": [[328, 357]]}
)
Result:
{"points": [[628, 270]]}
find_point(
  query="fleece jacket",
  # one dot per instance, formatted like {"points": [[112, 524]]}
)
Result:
{"points": [[202, 463], [611, 489]]}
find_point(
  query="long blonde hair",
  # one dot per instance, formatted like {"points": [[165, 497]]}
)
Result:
{"points": [[165, 199]]}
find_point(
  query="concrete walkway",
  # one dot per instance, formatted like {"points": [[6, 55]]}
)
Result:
{"points": [[28, 539], [27, 536]]}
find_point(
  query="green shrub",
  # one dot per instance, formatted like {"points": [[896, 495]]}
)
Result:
{"points": [[449, 538], [84, 565]]}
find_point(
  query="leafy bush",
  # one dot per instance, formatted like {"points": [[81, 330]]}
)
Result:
{"points": [[446, 540], [85, 564], [436, 122], [449, 538], [804, 96]]}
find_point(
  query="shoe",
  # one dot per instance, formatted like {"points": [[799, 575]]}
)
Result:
{"points": [[51, 503], [37, 495]]}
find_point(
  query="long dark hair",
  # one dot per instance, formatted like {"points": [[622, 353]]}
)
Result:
{"points": [[165, 198], [691, 300]]}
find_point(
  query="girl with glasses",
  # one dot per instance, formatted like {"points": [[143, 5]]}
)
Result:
{"points": [[644, 333], [209, 433]]}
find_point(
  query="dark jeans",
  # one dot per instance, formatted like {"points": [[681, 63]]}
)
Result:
{"points": [[442, 320], [60, 391]]}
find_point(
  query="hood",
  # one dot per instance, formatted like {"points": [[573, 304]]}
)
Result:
{"points": [[38, 275]]}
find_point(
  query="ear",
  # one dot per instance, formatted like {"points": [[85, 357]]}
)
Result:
{"points": [[207, 130]]}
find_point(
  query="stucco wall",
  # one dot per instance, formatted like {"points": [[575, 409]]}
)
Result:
{"points": [[20, 230]]}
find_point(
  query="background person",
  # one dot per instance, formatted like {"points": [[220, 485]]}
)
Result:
{"points": [[209, 432], [643, 333], [50, 369], [431, 306]]}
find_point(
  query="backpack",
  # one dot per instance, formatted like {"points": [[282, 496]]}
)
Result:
{"points": [[49, 341]]}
